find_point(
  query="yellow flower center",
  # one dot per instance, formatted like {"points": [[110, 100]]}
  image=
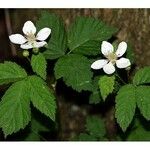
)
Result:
{"points": [[112, 57], [31, 37]]}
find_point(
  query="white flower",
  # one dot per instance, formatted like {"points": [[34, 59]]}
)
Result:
{"points": [[113, 57], [30, 40]]}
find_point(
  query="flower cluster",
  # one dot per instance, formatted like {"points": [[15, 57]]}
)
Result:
{"points": [[30, 40]]}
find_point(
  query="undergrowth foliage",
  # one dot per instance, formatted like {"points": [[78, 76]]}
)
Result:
{"points": [[74, 50]]}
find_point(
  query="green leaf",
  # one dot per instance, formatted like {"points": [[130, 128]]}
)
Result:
{"points": [[139, 132], [39, 65], [86, 137], [36, 127], [42, 97], [125, 106], [33, 136], [11, 72], [57, 43], [106, 85], [95, 97], [75, 71], [130, 53], [15, 108], [142, 76], [143, 100], [95, 126], [85, 35]]}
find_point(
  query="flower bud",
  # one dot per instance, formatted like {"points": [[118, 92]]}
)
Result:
{"points": [[25, 53], [128, 68], [35, 50]]}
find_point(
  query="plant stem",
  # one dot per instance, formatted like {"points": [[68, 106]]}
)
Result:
{"points": [[121, 79], [28, 59]]}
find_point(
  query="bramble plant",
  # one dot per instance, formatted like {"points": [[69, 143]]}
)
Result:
{"points": [[85, 61]]}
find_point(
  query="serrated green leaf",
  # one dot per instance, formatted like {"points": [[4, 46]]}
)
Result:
{"points": [[95, 126], [75, 71], [39, 65], [95, 97], [125, 106], [11, 72], [85, 35], [42, 97], [106, 85], [143, 100], [15, 108], [57, 44], [142, 76]]}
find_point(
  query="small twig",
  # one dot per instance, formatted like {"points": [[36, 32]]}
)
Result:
{"points": [[9, 30]]}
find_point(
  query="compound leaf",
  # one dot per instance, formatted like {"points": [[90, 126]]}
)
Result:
{"points": [[75, 71], [125, 106], [15, 108], [11, 72], [106, 85], [85, 35], [42, 97], [143, 100], [57, 43], [39, 64], [142, 76]]}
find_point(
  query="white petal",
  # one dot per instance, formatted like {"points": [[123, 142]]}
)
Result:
{"points": [[39, 44], [29, 28], [109, 68], [43, 34], [123, 63], [99, 64], [106, 48], [26, 46], [122, 47], [17, 39]]}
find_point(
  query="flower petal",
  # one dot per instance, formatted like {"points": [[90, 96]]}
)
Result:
{"points": [[109, 68], [29, 28], [123, 63], [39, 44], [17, 39], [99, 64], [26, 46], [106, 48], [122, 47], [43, 34]]}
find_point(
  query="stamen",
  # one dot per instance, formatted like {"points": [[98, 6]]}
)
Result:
{"points": [[112, 57], [31, 37]]}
